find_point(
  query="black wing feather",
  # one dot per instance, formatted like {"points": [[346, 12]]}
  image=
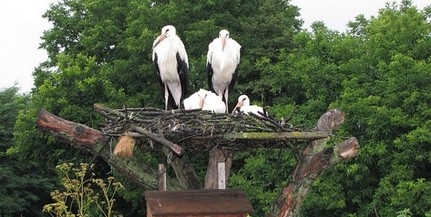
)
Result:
{"points": [[210, 74], [159, 78], [183, 72]]}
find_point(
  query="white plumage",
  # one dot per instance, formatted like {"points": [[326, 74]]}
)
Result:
{"points": [[172, 67], [243, 106], [223, 58], [196, 100], [213, 103], [205, 100]]}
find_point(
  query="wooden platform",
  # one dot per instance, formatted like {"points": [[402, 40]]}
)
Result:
{"points": [[198, 203]]}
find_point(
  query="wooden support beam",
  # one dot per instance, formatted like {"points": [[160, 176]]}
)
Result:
{"points": [[277, 136]]}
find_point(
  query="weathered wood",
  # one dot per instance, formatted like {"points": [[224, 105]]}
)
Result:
{"points": [[218, 155], [196, 130], [74, 133], [314, 160], [277, 136], [172, 146], [185, 173], [94, 141], [198, 203], [221, 176], [162, 177]]}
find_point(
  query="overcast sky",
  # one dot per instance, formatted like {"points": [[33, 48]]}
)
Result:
{"points": [[22, 25]]}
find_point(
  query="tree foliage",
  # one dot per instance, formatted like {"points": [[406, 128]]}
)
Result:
{"points": [[23, 184]]}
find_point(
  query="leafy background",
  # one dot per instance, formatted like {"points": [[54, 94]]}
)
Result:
{"points": [[378, 72]]}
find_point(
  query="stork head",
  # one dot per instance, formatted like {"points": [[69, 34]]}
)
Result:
{"points": [[167, 31], [202, 93], [243, 100], [223, 35]]}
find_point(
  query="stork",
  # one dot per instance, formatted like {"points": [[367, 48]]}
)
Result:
{"points": [[172, 66], [222, 65], [196, 100], [243, 106], [213, 103]]}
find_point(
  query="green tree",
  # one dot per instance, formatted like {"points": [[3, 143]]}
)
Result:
{"points": [[22, 184], [385, 95]]}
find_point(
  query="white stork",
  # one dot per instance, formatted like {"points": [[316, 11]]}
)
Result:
{"points": [[205, 100], [243, 106], [172, 66], [196, 100], [213, 103], [222, 65]]}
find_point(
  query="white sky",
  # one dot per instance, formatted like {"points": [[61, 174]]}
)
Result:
{"points": [[22, 25]]}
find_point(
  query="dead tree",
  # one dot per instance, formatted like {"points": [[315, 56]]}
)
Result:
{"points": [[314, 160], [179, 132]]}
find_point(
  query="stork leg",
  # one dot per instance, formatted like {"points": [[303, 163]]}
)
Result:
{"points": [[166, 96]]}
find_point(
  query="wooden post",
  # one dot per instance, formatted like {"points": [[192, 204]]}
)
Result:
{"points": [[221, 176], [162, 177]]}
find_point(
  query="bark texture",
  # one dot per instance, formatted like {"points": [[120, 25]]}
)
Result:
{"points": [[313, 161]]}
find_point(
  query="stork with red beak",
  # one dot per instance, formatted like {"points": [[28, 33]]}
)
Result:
{"points": [[172, 66], [222, 65]]}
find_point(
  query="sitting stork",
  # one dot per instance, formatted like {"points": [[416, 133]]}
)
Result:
{"points": [[243, 106], [172, 66], [204, 100], [213, 103], [222, 65]]}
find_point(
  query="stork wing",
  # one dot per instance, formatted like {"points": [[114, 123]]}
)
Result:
{"points": [[236, 48], [183, 72], [158, 72], [210, 71]]}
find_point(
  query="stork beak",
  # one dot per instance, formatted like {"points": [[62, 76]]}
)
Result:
{"points": [[223, 42], [238, 105], [201, 103], [159, 39]]}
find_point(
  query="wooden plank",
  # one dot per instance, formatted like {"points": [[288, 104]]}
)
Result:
{"points": [[198, 202], [162, 177], [221, 176], [273, 136]]}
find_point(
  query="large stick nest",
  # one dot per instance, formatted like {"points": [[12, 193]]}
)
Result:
{"points": [[199, 130]]}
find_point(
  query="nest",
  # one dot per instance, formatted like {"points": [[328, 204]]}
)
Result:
{"points": [[196, 129]]}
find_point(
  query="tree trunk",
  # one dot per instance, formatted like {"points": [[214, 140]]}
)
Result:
{"points": [[314, 160], [217, 155], [94, 141]]}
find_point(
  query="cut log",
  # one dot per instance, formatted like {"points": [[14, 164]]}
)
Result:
{"points": [[94, 141]]}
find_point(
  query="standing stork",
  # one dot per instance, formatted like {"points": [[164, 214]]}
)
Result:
{"points": [[222, 65], [172, 66]]}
